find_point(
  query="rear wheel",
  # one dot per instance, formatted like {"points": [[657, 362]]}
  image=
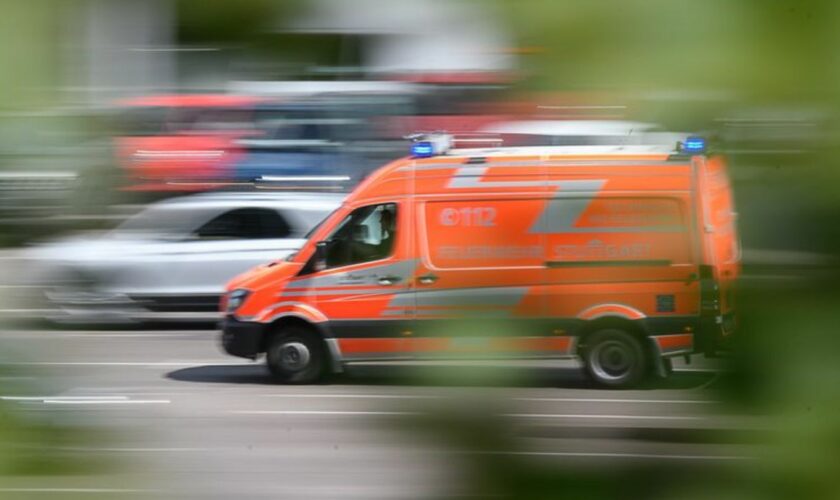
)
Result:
{"points": [[296, 355], [615, 358]]}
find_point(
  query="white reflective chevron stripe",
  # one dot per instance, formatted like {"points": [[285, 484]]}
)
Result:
{"points": [[469, 177], [544, 163]]}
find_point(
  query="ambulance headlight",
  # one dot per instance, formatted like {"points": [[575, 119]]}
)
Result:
{"points": [[235, 299]]}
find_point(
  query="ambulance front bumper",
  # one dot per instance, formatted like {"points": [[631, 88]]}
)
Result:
{"points": [[242, 338]]}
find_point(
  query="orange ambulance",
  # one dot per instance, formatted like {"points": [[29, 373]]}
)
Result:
{"points": [[623, 256]]}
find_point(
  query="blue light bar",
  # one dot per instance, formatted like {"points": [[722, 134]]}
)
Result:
{"points": [[422, 149], [694, 145]]}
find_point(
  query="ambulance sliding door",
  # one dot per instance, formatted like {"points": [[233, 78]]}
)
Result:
{"points": [[479, 283]]}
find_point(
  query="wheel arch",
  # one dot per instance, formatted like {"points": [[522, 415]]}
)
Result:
{"points": [[633, 327]]}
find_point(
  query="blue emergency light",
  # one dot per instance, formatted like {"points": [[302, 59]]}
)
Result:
{"points": [[428, 145], [423, 149], [694, 145]]}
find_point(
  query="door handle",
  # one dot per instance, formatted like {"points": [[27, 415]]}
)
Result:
{"points": [[427, 279], [389, 280]]}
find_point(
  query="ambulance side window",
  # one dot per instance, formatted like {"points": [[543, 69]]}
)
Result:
{"points": [[366, 234]]}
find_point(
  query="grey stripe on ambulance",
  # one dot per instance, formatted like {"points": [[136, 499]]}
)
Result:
{"points": [[361, 277], [449, 313], [509, 296]]}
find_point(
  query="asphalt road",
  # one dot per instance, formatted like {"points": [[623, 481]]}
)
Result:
{"points": [[164, 414]]}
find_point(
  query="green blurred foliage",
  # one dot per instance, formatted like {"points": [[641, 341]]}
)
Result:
{"points": [[770, 50], [688, 64], [37, 443], [225, 21], [29, 52]]}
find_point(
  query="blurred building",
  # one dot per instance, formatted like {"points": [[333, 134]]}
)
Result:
{"points": [[428, 37], [116, 48]]}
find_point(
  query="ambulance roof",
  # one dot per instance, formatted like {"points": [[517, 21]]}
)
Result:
{"points": [[558, 151], [435, 173]]}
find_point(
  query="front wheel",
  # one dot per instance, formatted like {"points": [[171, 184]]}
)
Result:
{"points": [[296, 356], [615, 358]]}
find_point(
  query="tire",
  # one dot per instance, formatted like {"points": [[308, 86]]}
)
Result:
{"points": [[296, 355], [615, 359]]}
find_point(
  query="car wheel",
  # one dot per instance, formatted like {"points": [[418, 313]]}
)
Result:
{"points": [[296, 356], [615, 358]]}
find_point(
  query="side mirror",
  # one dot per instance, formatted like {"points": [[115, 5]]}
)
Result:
{"points": [[320, 258]]}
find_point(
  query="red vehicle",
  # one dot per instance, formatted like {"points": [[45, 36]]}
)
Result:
{"points": [[625, 256], [182, 142]]}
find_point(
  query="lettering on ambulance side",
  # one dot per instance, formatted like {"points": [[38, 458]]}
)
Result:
{"points": [[355, 282], [555, 218], [564, 210]]}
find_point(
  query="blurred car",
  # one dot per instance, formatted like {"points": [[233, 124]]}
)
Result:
{"points": [[337, 129], [182, 142], [171, 260], [307, 140]]}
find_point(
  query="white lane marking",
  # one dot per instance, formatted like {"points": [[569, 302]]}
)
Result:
{"points": [[67, 398], [425, 396], [608, 417], [354, 396], [215, 362], [85, 400], [38, 335], [74, 490], [106, 401], [133, 335], [514, 415], [615, 455], [319, 412], [18, 310], [606, 400], [137, 450]]}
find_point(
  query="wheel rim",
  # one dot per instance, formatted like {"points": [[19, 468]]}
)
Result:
{"points": [[612, 360], [293, 356]]}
